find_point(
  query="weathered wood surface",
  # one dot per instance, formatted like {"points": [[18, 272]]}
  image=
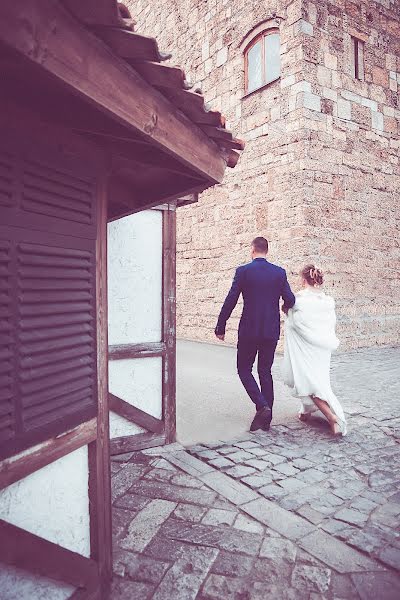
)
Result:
{"points": [[169, 323], [133, 443], [95, 12], [134, 414], [120, 351], [24, 550], [13, 470], [100, 491], [108, 84]]}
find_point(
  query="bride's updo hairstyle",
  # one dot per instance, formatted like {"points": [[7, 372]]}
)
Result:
{"points": [[312, 275]]}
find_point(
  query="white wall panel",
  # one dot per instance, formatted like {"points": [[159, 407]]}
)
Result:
{"points": [[52, 503], [135, 278]]}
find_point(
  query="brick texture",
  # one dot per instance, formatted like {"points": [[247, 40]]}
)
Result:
{"points": [[320, 173]]}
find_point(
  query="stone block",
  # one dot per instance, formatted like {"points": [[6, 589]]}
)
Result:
{"points": [[284, 522], [288, 81], [344, 109], [371, 586], [205, 50], [278, 549], [217, 516], [303, 27], [146, 524], [221, 462], [155, 489], [312, 101], [123, 480], [245, 523], [352, 516], [324, 77], [300, 86], [188, 463], [222, 56], [330, 61], [232, 565], [123, 589], [308, 577], [190, 512], [232, 490], [185, 577], [336, 554], [240, 471]]}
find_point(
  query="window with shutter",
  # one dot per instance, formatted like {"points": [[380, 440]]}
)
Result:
{"points": [[47, 294]]}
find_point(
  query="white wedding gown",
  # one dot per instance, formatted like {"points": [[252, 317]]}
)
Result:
{"points": [[309, 340]]}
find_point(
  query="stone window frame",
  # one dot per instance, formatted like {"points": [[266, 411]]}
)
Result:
{"points": [[261, 30]]}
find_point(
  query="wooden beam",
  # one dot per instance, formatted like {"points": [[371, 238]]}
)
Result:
{"points": [[99, 457], [169, 197], [135, 415], [12, 470], [133, 443], [120, 351], [169, 323], [24, 550], [86, 65]]}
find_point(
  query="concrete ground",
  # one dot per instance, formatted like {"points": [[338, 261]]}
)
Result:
{"points": [[211, 402]]}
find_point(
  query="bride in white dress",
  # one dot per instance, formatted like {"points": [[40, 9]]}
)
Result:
{"points": [[309, 340]]}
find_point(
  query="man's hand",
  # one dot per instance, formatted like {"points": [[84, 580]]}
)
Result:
{"points": [[220, 336]]}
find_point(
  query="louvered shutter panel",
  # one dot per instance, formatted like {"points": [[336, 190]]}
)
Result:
{"points": [[47, 295]]}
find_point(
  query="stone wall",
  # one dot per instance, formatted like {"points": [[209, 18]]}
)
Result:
{"points": [[320, 173]]}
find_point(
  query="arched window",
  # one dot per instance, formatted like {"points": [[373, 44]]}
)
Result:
{"points": [[262, 60]]}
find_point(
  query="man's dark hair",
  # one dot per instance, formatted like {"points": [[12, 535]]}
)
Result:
{"points": [[260, 245]]}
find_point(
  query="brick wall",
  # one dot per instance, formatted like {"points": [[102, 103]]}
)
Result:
{"points": [[320, 173]]}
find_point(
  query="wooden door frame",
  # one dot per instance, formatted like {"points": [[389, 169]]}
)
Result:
{"points": [[162, 431]]}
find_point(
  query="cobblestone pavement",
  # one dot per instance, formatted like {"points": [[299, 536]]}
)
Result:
{"points": [[288, 514]]}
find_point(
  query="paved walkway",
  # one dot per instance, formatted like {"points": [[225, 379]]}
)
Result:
{"points": [[288, 514]]}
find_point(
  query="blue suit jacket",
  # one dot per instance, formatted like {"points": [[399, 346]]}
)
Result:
{"points": [[262, 284]]}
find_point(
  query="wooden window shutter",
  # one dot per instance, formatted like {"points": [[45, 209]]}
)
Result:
{"points": [[47, 293]]}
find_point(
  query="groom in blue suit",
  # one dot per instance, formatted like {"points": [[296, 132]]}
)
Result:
{"points": [[262, 284]]}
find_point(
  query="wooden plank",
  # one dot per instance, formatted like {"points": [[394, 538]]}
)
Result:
{"points": [[193, 106], [105, 81], [101, 495], [161, 76], [217, 133], [24, 550], [95, 12], [119, 351], [133, 443], [169, 323], [134, 414], [129, 45], [14, 470]]}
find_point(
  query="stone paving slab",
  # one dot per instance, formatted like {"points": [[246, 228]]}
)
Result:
{"points": [[347, 487], [164, 549], [317, 518]]}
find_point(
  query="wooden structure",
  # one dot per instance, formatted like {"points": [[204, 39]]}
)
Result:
{"points": [[94, 127]]}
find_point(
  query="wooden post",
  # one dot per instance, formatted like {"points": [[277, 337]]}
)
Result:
{"points": [[99, 451], [169, 322]]}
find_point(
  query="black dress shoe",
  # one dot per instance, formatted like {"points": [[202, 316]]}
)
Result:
{"points": [[262, 419]]}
